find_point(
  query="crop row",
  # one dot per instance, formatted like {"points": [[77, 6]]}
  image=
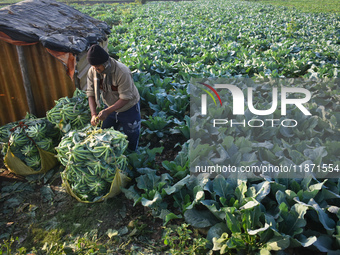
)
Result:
{"points": [[166, 45]]}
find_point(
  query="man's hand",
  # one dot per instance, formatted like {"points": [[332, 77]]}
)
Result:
{"points": [[94, 120], [102, 115]]}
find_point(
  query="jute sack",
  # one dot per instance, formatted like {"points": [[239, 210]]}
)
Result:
{"points": [[17, 166], [119, 181]]}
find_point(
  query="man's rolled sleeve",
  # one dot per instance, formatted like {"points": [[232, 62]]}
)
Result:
{"points": [[125, 87]]}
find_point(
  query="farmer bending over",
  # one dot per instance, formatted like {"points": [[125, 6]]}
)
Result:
{"points": [[113, 81]]}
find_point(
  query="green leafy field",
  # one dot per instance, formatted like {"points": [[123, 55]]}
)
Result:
{"points": [[166, 44], [307, 5]]}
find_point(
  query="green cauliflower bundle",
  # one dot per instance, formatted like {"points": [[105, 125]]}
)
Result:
{"points": [[71, 113], [91, 157], [5, 130], [25, 138]]}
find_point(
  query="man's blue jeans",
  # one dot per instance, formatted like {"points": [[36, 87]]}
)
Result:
{"points": [[129, 121]]}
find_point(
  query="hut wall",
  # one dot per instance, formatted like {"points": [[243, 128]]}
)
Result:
{"points": [[47, 76]]}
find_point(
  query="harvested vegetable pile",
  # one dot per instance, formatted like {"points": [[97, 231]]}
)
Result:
{"points": [[26, 136], [5, 130], [70, 113], [91, 157]]}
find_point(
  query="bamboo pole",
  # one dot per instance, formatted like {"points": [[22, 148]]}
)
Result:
{"points": [[26, 80]]}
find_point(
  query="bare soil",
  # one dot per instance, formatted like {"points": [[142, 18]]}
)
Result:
{"points": [[30, 212]]}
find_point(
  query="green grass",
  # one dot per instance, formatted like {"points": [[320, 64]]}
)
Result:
{"points": [[332, 6]]}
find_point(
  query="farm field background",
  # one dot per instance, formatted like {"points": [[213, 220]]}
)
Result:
{"points": [[307, 6], [165, 210], [303, 5]]}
